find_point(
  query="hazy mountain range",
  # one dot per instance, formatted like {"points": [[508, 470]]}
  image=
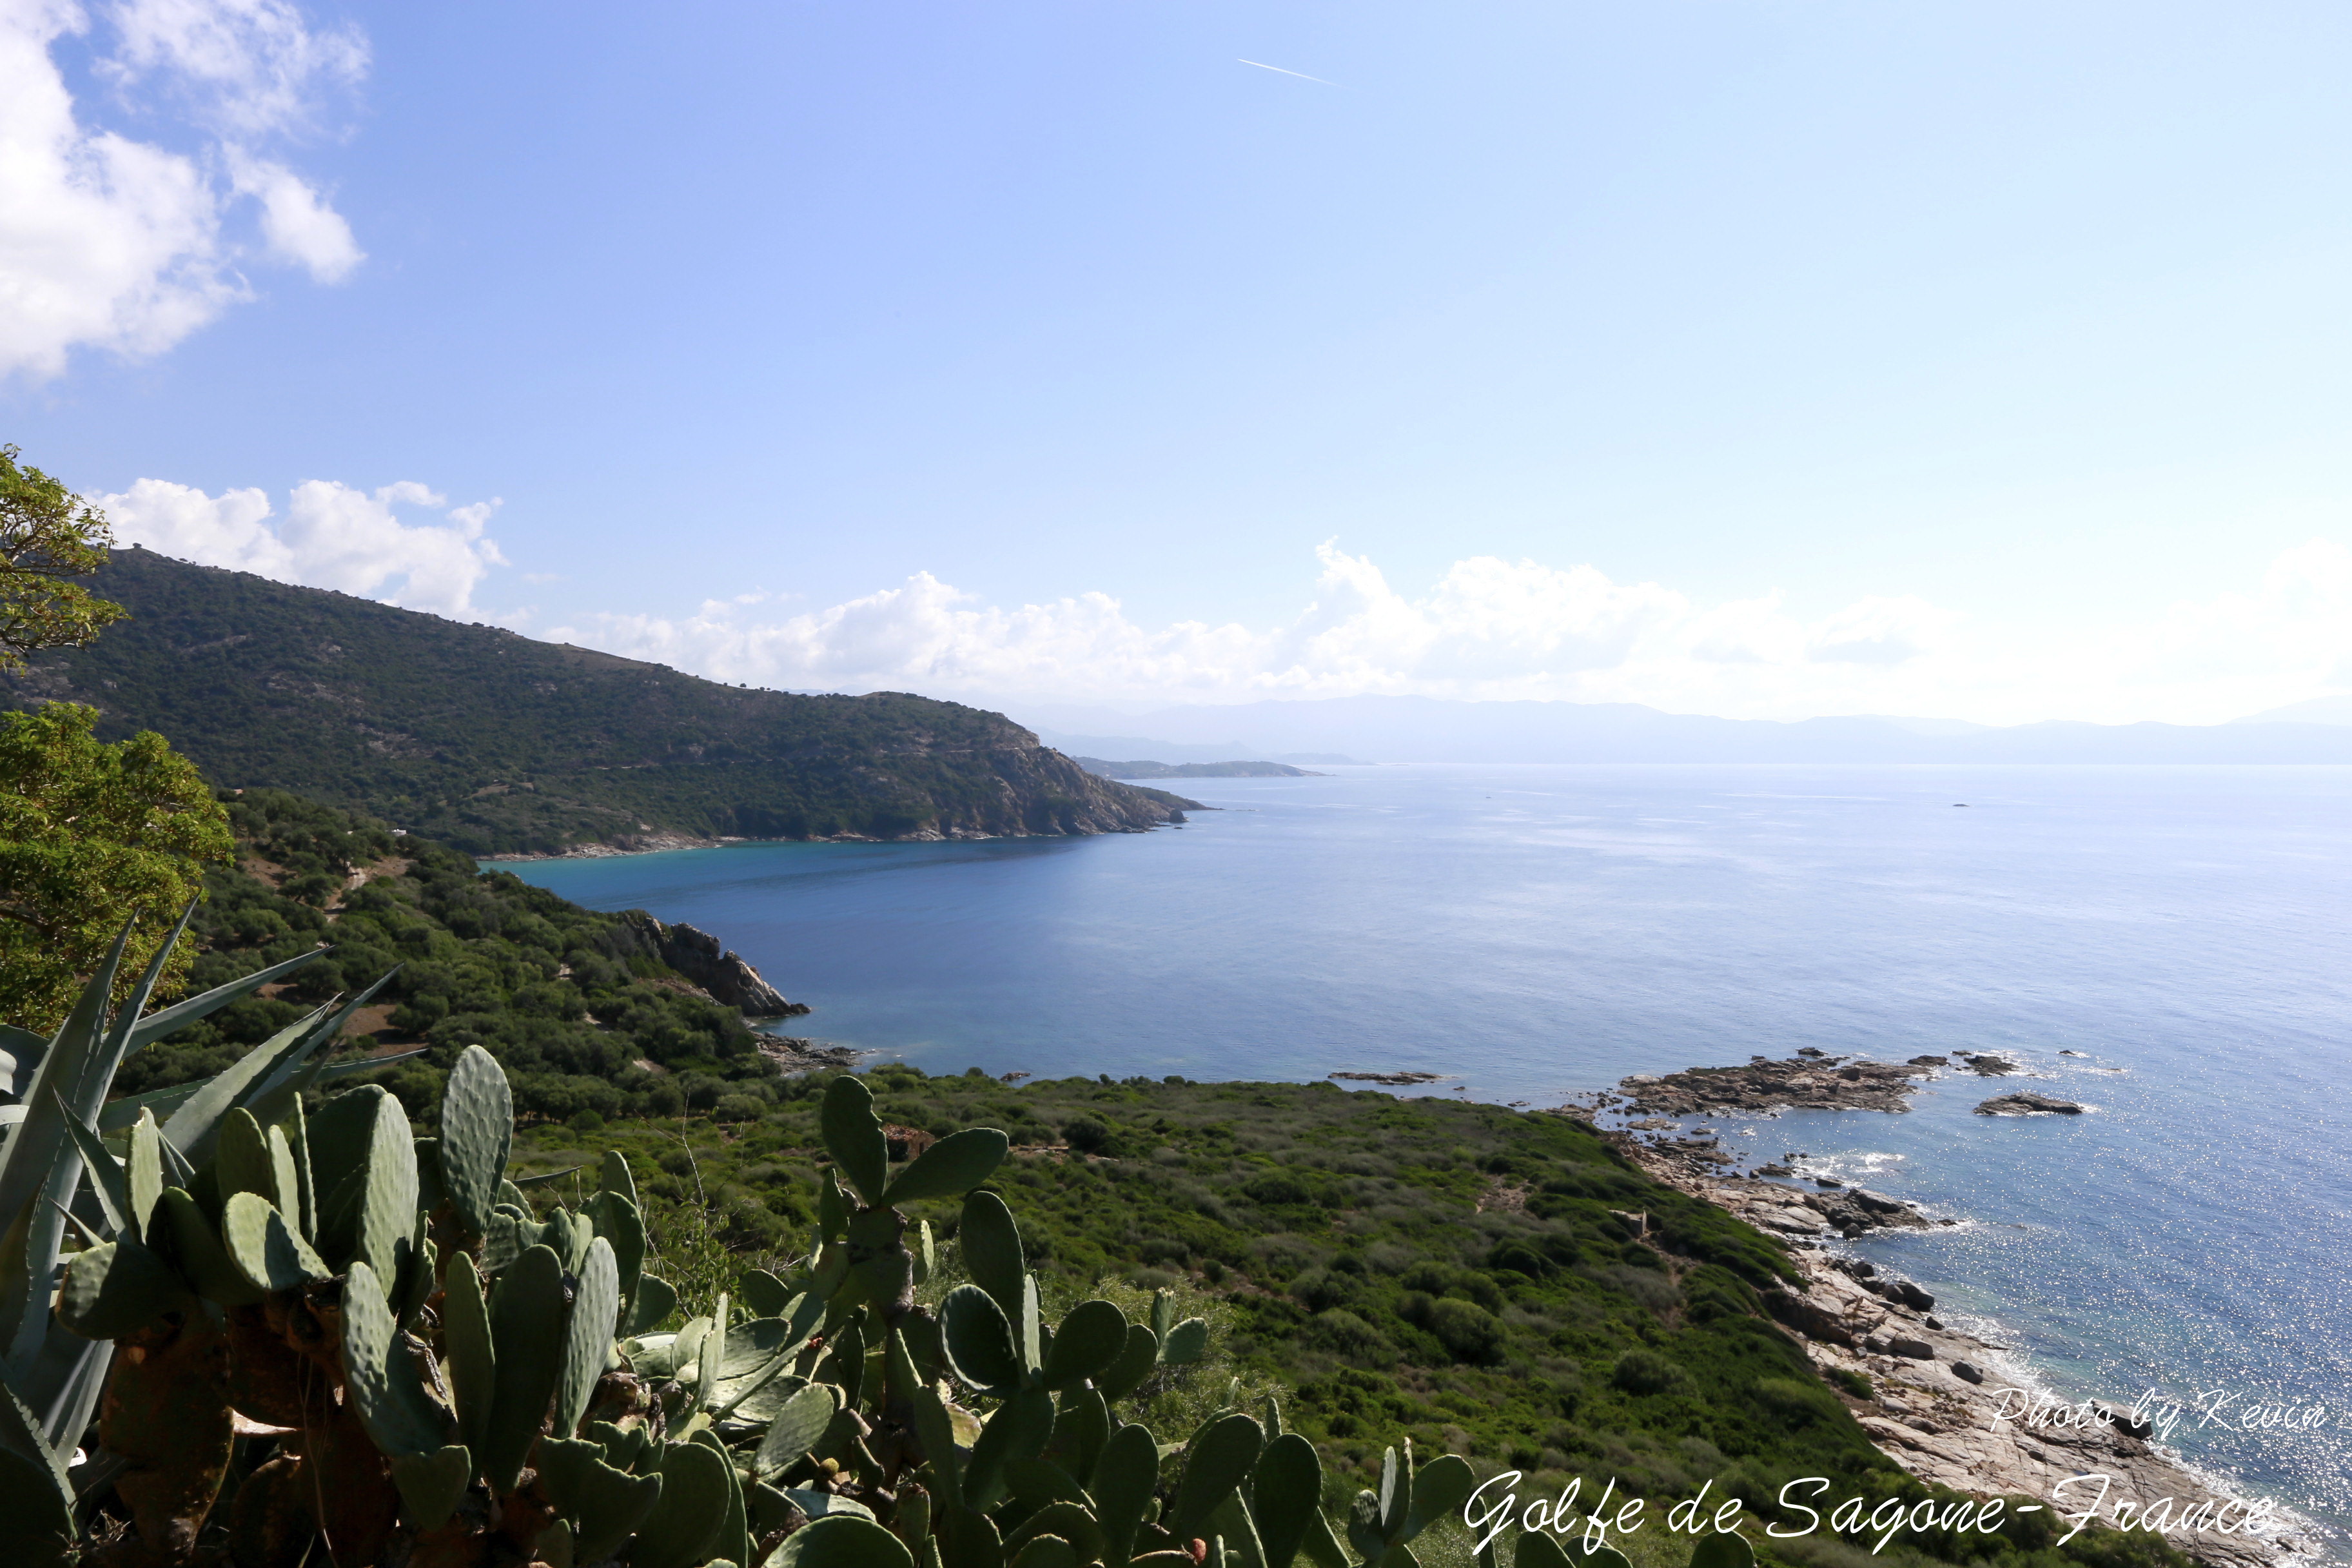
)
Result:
{"points": [[1429, 730]]}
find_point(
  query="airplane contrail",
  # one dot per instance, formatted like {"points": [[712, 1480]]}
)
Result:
{"points": [[1300, 75]]}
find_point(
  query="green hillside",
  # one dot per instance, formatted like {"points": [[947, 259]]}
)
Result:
{"points": [[495, 743]]}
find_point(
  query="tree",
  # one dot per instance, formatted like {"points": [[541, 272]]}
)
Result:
{"points": [[90, 835], [48, 537]]}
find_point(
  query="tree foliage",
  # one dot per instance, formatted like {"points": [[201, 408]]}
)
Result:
{"points": [[92, 835], [48, 538]]}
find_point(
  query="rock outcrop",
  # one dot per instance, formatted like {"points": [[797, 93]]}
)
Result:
{"points": [[1807, 1080], [729, 979], [2024, 1103], [1947, 1405]]}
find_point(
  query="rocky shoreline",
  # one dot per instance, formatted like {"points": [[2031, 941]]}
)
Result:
{"points": [[1937, 1393]]}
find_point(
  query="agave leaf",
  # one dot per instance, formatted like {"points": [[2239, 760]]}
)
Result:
{"points": [[163, 1020], [21, 1051], [105, 1175], [36, 1185], [35, 1496], [194, 1126], [277, 1089]]}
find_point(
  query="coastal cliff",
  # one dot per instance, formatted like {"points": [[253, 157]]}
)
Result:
{"points": [[498, 744], [726, 975]]}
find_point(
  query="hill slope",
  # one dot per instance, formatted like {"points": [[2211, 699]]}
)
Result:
{"points": [[496, 744]]}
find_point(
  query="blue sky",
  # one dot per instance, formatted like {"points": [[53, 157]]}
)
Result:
{"points": [[1975, 360]]}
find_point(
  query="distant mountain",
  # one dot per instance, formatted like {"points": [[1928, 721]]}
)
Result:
{"points": [[1427, 730], [1103, 745], [1141, 770], [494, 742], [2318, 711]]}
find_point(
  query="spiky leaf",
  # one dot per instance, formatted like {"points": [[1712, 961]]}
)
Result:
{"points": [[264, 1248], [241, 1160], [143, 1171], [684, 1524], [1538, 1549], [477, 1135], [1185, 1343], [656, 1299], [473, 1359], [1725, 1549], [1286, 1487], [952, 1166], [382, 1380], [588, 1337], [795, 1430], [527, 1331], [118, 1289], [1439, 1490], [842, 1540], [1125, 1374], [1122, 1486], [179, 1228], [1091, 1339], [979, 1338], [1217, 1459], [1020, 1429], [853, 1136]]}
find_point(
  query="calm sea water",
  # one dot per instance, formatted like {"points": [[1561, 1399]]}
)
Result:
{"points": [[1542, 931]]}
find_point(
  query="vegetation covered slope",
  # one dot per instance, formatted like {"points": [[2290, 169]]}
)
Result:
{"points": [[1457, 1274], [496, 744], [574, 1003]]}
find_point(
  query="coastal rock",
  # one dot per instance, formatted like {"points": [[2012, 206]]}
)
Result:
{"points": [[1808, 1081], [2028, 1104], [1987, 1066], [697, 956], [1394, 1078], [1936, 1413], [796, 1056]]}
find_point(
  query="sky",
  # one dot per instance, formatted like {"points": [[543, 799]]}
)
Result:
{"points": [[1973, 360]]}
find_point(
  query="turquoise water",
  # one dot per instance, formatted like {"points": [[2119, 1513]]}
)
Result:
{"points": [[1546, 930]]}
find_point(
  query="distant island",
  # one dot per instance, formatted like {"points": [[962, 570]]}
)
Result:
{"points": [[1145, 770], [498, 744]]}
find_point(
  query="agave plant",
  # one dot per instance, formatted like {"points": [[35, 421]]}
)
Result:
{"points": [[56, 1121]]}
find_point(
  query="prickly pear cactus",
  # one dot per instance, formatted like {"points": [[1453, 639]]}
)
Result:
{"points": [[425, 1370]]}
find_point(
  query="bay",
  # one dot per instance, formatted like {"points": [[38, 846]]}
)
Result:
{"points": [[1545, 929]]}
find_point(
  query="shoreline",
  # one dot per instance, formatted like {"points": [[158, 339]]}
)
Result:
{"points": [[1934, 1419]]}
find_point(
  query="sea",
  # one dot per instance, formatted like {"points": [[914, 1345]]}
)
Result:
{"points": [[2169, 947]]}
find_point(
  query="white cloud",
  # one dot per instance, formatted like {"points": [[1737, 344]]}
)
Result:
{"points": [[332, 536], [1495, 629], [129, 245]]}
